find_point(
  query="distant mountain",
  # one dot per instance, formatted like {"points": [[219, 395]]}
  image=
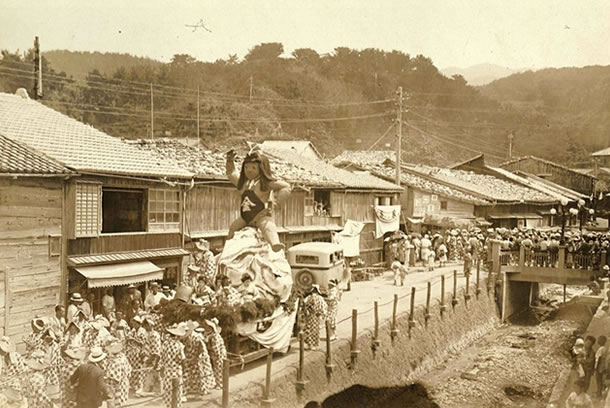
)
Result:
{"points": [[480, 74], [80, 63]]}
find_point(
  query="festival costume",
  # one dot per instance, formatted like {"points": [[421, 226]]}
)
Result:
{"points": [[332, 301], [218, 353], [172, 356], [35, 390], [68, 392], [315, 310], [207, 266], [118, 372], [139, 355]]}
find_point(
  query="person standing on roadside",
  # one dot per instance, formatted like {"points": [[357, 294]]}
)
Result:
{"points": [[600, 364], [91, 389]]}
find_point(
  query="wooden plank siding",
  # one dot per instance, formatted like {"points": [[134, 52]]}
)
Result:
{"points": [[30, 211], [211, 208], [133, 241]]}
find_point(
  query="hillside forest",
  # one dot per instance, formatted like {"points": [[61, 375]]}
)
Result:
{"points": [[346, 99]]}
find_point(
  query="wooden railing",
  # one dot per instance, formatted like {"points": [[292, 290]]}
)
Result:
{"points": [[557, 258]]}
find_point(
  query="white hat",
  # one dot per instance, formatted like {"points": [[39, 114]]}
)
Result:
{"points": [[76, 297], [96, 355]]}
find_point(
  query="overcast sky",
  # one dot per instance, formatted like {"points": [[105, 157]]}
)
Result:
{"points": [[511, 33]]}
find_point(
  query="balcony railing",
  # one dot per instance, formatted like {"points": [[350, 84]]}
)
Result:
{"points": [[553, 258]]}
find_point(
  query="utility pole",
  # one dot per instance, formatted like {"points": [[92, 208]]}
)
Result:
{"points": [[37, 70], [152, 113], [251, 86], [510, 145], [198, 134], [399, 135]]}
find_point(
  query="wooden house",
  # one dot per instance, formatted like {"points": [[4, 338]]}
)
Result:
{"points": [[558, 174], [427, 203], [31, 191], [120, 212], [322, 197]]}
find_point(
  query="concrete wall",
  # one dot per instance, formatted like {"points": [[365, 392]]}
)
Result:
{"points": [[412, 354]]}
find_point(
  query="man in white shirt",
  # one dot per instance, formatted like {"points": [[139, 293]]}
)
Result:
{"points": [[108, 305], [154, 297], [75, 301], [57, 323]]}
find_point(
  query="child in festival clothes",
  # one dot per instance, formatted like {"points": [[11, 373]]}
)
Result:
{"points": [[255, 182]]}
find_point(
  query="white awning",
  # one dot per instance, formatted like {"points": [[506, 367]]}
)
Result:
{"points": [[101, 276]]}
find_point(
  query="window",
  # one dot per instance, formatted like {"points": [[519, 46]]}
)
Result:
{"points": [[383, 200], [309, 203], [88, 209], [163, 210], [54, 246], [321, 200], [307, 259], [443, 205], [122, 210]]}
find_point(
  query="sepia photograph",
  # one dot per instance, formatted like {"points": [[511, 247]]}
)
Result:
{"points": [[301, 204]]}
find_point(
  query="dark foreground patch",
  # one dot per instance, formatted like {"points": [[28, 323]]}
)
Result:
{"points": [[356, 396]]}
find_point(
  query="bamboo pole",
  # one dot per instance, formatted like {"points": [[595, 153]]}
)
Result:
{"points": [[354, 345], [428, 296], [300, 384], [443, 307], [478, 282], [329, 365], [267, 400], [376, 342], [412, 310], [454, 301], [225, 383]]}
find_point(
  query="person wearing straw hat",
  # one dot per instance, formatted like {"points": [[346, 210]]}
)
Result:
{"points": [[72, 359], [33, 341], [332, 302], [72, 336], [136, 353], [204, 259], [91, 390], [75, 301], [216, 348], [315, 310], [190, 278], [12, 369], [118, 372], [35, 381], [172, 357], [152, 348], [202, 380]]}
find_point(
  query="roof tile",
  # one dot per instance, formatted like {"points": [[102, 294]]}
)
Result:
{"points": [[16, 158]]}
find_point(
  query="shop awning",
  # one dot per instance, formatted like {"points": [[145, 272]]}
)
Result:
{"points": [[101, 276]]}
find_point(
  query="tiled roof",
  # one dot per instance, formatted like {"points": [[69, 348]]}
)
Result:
{"points": [[550, 163], [206, 164], [489, 186], [425, 184], [603, 152], [553, 188], [300, 147], [364, 158], [75, 144], [359, 180], [15, 158]]}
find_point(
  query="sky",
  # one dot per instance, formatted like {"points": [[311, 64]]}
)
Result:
{"points": [[519, 34]]}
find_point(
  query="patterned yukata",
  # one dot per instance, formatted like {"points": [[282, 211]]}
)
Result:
{"points": [[118, 371], [33, 342], [315, 310], [153, 346], [35, 390], [207, 265], [202, 380], [139, 355], [53, 356], [332, 302], [190, 363], [228, 296], [12, 371], [172, 356], [218, 354], [68, 390]]}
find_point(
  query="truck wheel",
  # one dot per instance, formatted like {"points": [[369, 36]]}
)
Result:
{"points": [[305, 279]]}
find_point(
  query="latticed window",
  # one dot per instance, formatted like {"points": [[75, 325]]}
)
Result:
{"points": [[88, 209], [309, 203], [163, 210]]}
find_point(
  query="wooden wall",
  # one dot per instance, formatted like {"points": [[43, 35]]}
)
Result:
{"points": [[133, 241], [557, 174], [30, 211], [211, 208]]}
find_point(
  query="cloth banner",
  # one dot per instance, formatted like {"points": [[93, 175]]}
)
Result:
{"points": [[274, 331], [249, 252], [349, 238], [387, 219]]}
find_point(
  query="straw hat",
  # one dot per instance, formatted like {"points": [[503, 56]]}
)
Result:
{"points": [[115, 347], [213, 323], [6, 345], [37, 361], [76, 297], [202, 245], [177, 330], [38, 323], [76, 353], [96, 355]]}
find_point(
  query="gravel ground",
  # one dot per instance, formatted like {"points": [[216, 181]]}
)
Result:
{"points": [[515, 366]]}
